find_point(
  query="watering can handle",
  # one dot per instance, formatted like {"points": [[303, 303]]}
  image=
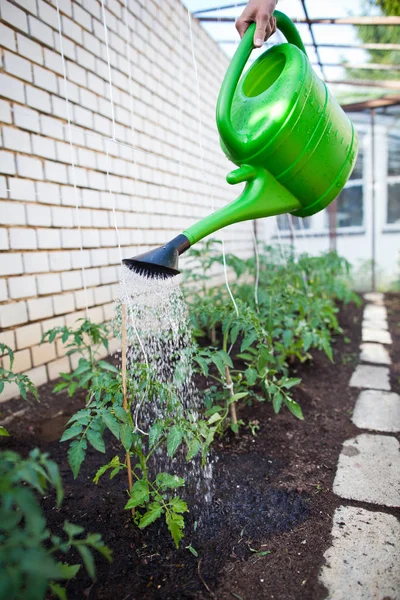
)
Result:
{"points": [[230, 136]]}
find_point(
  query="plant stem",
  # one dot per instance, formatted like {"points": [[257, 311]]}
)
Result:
{"points": [[125, 404]]}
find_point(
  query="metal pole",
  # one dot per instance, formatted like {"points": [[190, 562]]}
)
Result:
{"points": [[373, 261]]}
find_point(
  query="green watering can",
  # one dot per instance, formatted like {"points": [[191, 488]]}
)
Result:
{"points": [[293, 144]]}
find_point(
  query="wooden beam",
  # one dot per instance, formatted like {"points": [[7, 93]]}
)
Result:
{"points": [[383, 47], [373, 103], [215, 8], [340, 21], [372, 66], [384, 83]]}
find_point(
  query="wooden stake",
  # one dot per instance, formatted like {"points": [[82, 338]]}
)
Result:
{"points": [[125, 404], [229, 385]]}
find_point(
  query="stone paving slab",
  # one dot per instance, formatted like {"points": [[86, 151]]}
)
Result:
{"points": [[374, 353], [378, 411], [375, 324], [374, 297], [369, 470], [364, 560], [375, 335], [374, 312], [370, 377]]}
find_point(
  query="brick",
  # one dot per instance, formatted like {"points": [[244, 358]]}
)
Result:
{"points": [[45, 79], [92, 277], [68, 47], [82, 17], [40, 308], [43, 354], [48, 14], [13, 15], [70, 238], [93, 7], [96, 314], [12, 213], [97, 180], [90, 238], [41, 31], [56, 171], [60, 261], [28, 5], [86, 60], [23, 239], [13, 314], [17, 66], [63, 304], [80, 258], [5, 111], [3, 186], [12, 88], [38, 376], [26, 118], [61, 365], [72, 30], [28, 336], [84, 298], [35, 262], [43, 146], [86, 158], [12, 265], [14, 139], [4, 245], [22, 287], [71, 280], [108, 275], [8, 338], [3, 290], [28, 166], [76, 74], [99, 257], [22, 361], [53, 128], [102, 294], [83, 117], [72, 318], [48, 193], [7, 37], [49, 284], [21, 189], [65, 7], [48, 239], [29, 49], [38, 99], [53, 61], [7, 161], [63, 216], [38, 215], [108, 237]]}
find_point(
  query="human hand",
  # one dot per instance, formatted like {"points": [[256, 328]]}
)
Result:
{"points": [[259, 12]]}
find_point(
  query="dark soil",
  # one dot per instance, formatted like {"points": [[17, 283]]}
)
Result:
{"points": [[266, 530]]}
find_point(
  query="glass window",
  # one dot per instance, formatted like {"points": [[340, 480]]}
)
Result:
{"points": [[358, 167], [393, 212], [298, 222], [394, 154], [349, 207]]}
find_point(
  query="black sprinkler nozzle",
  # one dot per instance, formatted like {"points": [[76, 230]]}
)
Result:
{"points": [[162, 261]]}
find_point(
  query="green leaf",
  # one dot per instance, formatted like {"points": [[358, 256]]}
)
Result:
{"points": [[307, 340], [139, 494], [111, 422], [214, 418], [60, 386], [126, 436], [248, 341], [58, 590], [113, 464], [277, 401], [194, 448], [88, 560], [235, 427], [107, 367], [154, 511], [294, 408], [327, 349], [219, 363], [176, 526], [154, 433], [72, 530], [71, 432], [166, 481], [237, 397], [192, 550], [4, 432], [251, 376], [72, 388], [174, 440], [289, 383], [68, 571], [287, 337], [76, 455], [95, 438], [226, 359], [203, 364], [178, 505], [83, 367]]}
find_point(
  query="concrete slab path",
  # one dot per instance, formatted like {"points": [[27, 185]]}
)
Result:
{"points": [[370, 377], [377, 411]]}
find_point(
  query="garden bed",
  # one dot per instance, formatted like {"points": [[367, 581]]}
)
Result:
{"points": [[269, 522]]}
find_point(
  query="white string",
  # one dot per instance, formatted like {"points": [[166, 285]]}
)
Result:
{"points": [[226, 279], [72, 156], [257, 267], [128, 57], [109, 67]]}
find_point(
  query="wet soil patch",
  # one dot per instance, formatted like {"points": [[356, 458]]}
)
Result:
{"points": [[268, 525]]}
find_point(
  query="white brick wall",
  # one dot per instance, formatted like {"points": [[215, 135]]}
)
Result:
{"points": [[168, 181]]}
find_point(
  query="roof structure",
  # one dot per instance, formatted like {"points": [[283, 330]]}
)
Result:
{"points": [[337, 54]]}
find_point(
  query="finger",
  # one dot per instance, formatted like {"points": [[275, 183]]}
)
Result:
{"points": [[273, 26], [242, 26], [262, 22]]}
